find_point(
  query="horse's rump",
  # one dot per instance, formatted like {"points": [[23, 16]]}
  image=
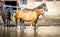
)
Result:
{"points": [[3, 14]]}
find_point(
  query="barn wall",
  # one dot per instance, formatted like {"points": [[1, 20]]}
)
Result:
{"points": [[53, 8]]}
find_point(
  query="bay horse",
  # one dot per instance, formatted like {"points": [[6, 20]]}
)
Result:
{"points": [[30, 15], [5, 14]]}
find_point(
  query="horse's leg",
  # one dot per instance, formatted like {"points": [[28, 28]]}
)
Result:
{"points": [[18, 22], [32, 22], [21, 21], [22, 27], [35, 24], [18, 26], [35, 28], [4, 20], [8, 22]]}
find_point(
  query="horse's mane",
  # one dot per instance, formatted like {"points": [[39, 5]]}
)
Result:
{"points": [[38, 7]]}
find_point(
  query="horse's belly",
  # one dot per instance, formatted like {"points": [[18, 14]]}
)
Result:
{"points": [[28, 17]]}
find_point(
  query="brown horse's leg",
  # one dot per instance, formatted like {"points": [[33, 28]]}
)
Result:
{"points": [[35, 29], [18, 22], [31, 22], [35, 24]]}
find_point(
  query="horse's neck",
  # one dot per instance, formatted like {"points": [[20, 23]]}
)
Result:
{"points": [[38, 11]]}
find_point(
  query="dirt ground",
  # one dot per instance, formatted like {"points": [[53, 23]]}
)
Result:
{"points": [[48, 27]]}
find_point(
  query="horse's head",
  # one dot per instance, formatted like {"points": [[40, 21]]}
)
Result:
{"points": [[44, 7]]}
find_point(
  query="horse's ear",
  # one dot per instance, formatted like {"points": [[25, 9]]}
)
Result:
{"points": [[44, 4]]}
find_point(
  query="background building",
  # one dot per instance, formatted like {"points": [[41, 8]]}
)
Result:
{"points": [[51, 4]]}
